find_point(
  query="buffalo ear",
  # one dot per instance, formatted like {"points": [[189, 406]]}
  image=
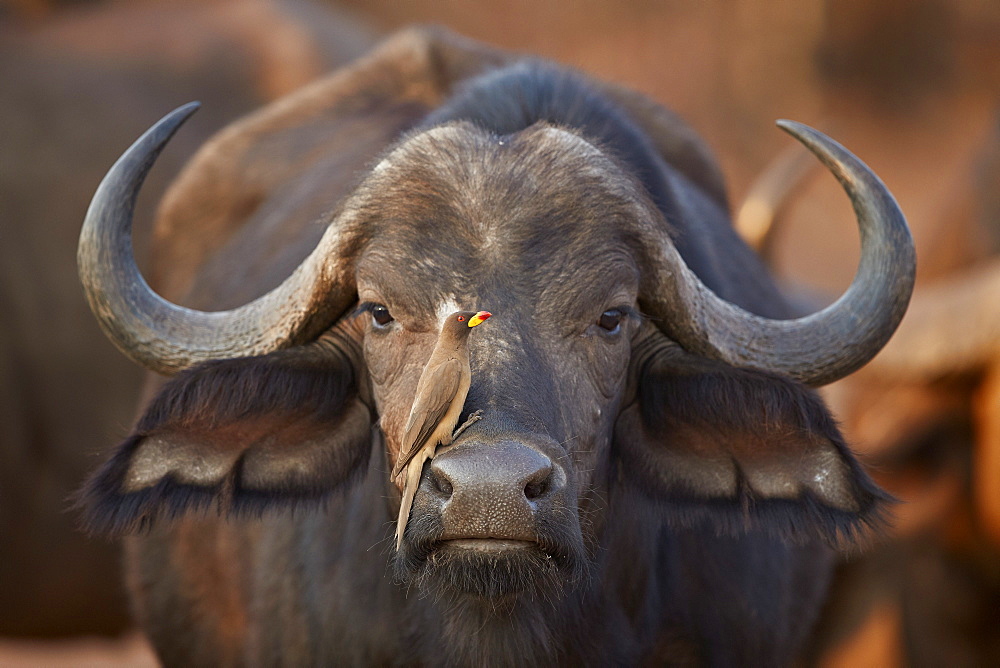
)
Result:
{"points": [[239, 435], [741, 449]]}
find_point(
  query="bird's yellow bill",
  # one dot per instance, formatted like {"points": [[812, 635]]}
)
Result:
{"points": [[479, 318]]}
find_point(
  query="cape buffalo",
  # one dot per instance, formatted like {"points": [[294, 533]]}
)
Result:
{"points": [[651, 479]]}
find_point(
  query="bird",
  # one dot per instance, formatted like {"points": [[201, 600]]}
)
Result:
{"points": [[437, 405]]}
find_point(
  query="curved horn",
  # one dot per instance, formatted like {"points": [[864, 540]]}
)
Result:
{"points": [[165, 337], [829, 344]]}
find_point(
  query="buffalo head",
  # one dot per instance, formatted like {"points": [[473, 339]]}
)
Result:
{"points": [[610, 364]]}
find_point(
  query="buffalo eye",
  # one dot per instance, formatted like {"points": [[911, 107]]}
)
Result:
{"points": [[380, 315], [611, 320]]}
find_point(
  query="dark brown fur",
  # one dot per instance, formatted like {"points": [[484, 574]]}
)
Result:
{"points": [[685, 509]]}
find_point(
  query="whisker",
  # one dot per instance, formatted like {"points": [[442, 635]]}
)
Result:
{"points": [[567, 441]]}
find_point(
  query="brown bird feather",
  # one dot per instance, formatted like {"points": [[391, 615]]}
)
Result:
{"points": [[437, 405]]}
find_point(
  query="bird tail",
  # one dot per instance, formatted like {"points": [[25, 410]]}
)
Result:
{"points": [[413, 471]]}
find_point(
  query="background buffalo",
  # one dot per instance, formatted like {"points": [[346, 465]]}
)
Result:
{"points": [[911, 87]]}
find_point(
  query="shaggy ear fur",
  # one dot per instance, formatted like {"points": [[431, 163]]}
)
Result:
{"points": [[742, 449], [242, 435]]}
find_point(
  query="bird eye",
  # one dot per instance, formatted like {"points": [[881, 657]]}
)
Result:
{"points": [[380, 315], [610, 320], [461, 318]]}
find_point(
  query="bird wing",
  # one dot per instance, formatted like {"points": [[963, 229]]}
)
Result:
{"points": [[436, 391]]}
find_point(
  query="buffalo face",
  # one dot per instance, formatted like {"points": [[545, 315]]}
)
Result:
{"points": [[552, 258]]}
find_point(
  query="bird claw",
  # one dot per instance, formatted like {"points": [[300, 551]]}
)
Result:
{"points": [[475, 417]]}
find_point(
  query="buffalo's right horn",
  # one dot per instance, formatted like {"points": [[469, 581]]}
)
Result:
{"points": [[165, 337], [818, 348]]}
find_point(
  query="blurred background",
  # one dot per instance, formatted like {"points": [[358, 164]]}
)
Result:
{"points": [[911, 86]]}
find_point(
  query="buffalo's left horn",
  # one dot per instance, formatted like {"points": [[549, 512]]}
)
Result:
{"points": [[821, 347], [165, 337]]}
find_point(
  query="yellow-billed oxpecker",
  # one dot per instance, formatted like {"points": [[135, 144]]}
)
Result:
{"points": [[437, 405]]}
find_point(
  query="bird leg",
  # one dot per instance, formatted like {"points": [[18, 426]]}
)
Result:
{"points": [[475, 417]]}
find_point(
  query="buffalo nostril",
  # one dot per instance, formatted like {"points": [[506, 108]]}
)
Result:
{"points": [[533, 490], [538, 484], [441, 484]]}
